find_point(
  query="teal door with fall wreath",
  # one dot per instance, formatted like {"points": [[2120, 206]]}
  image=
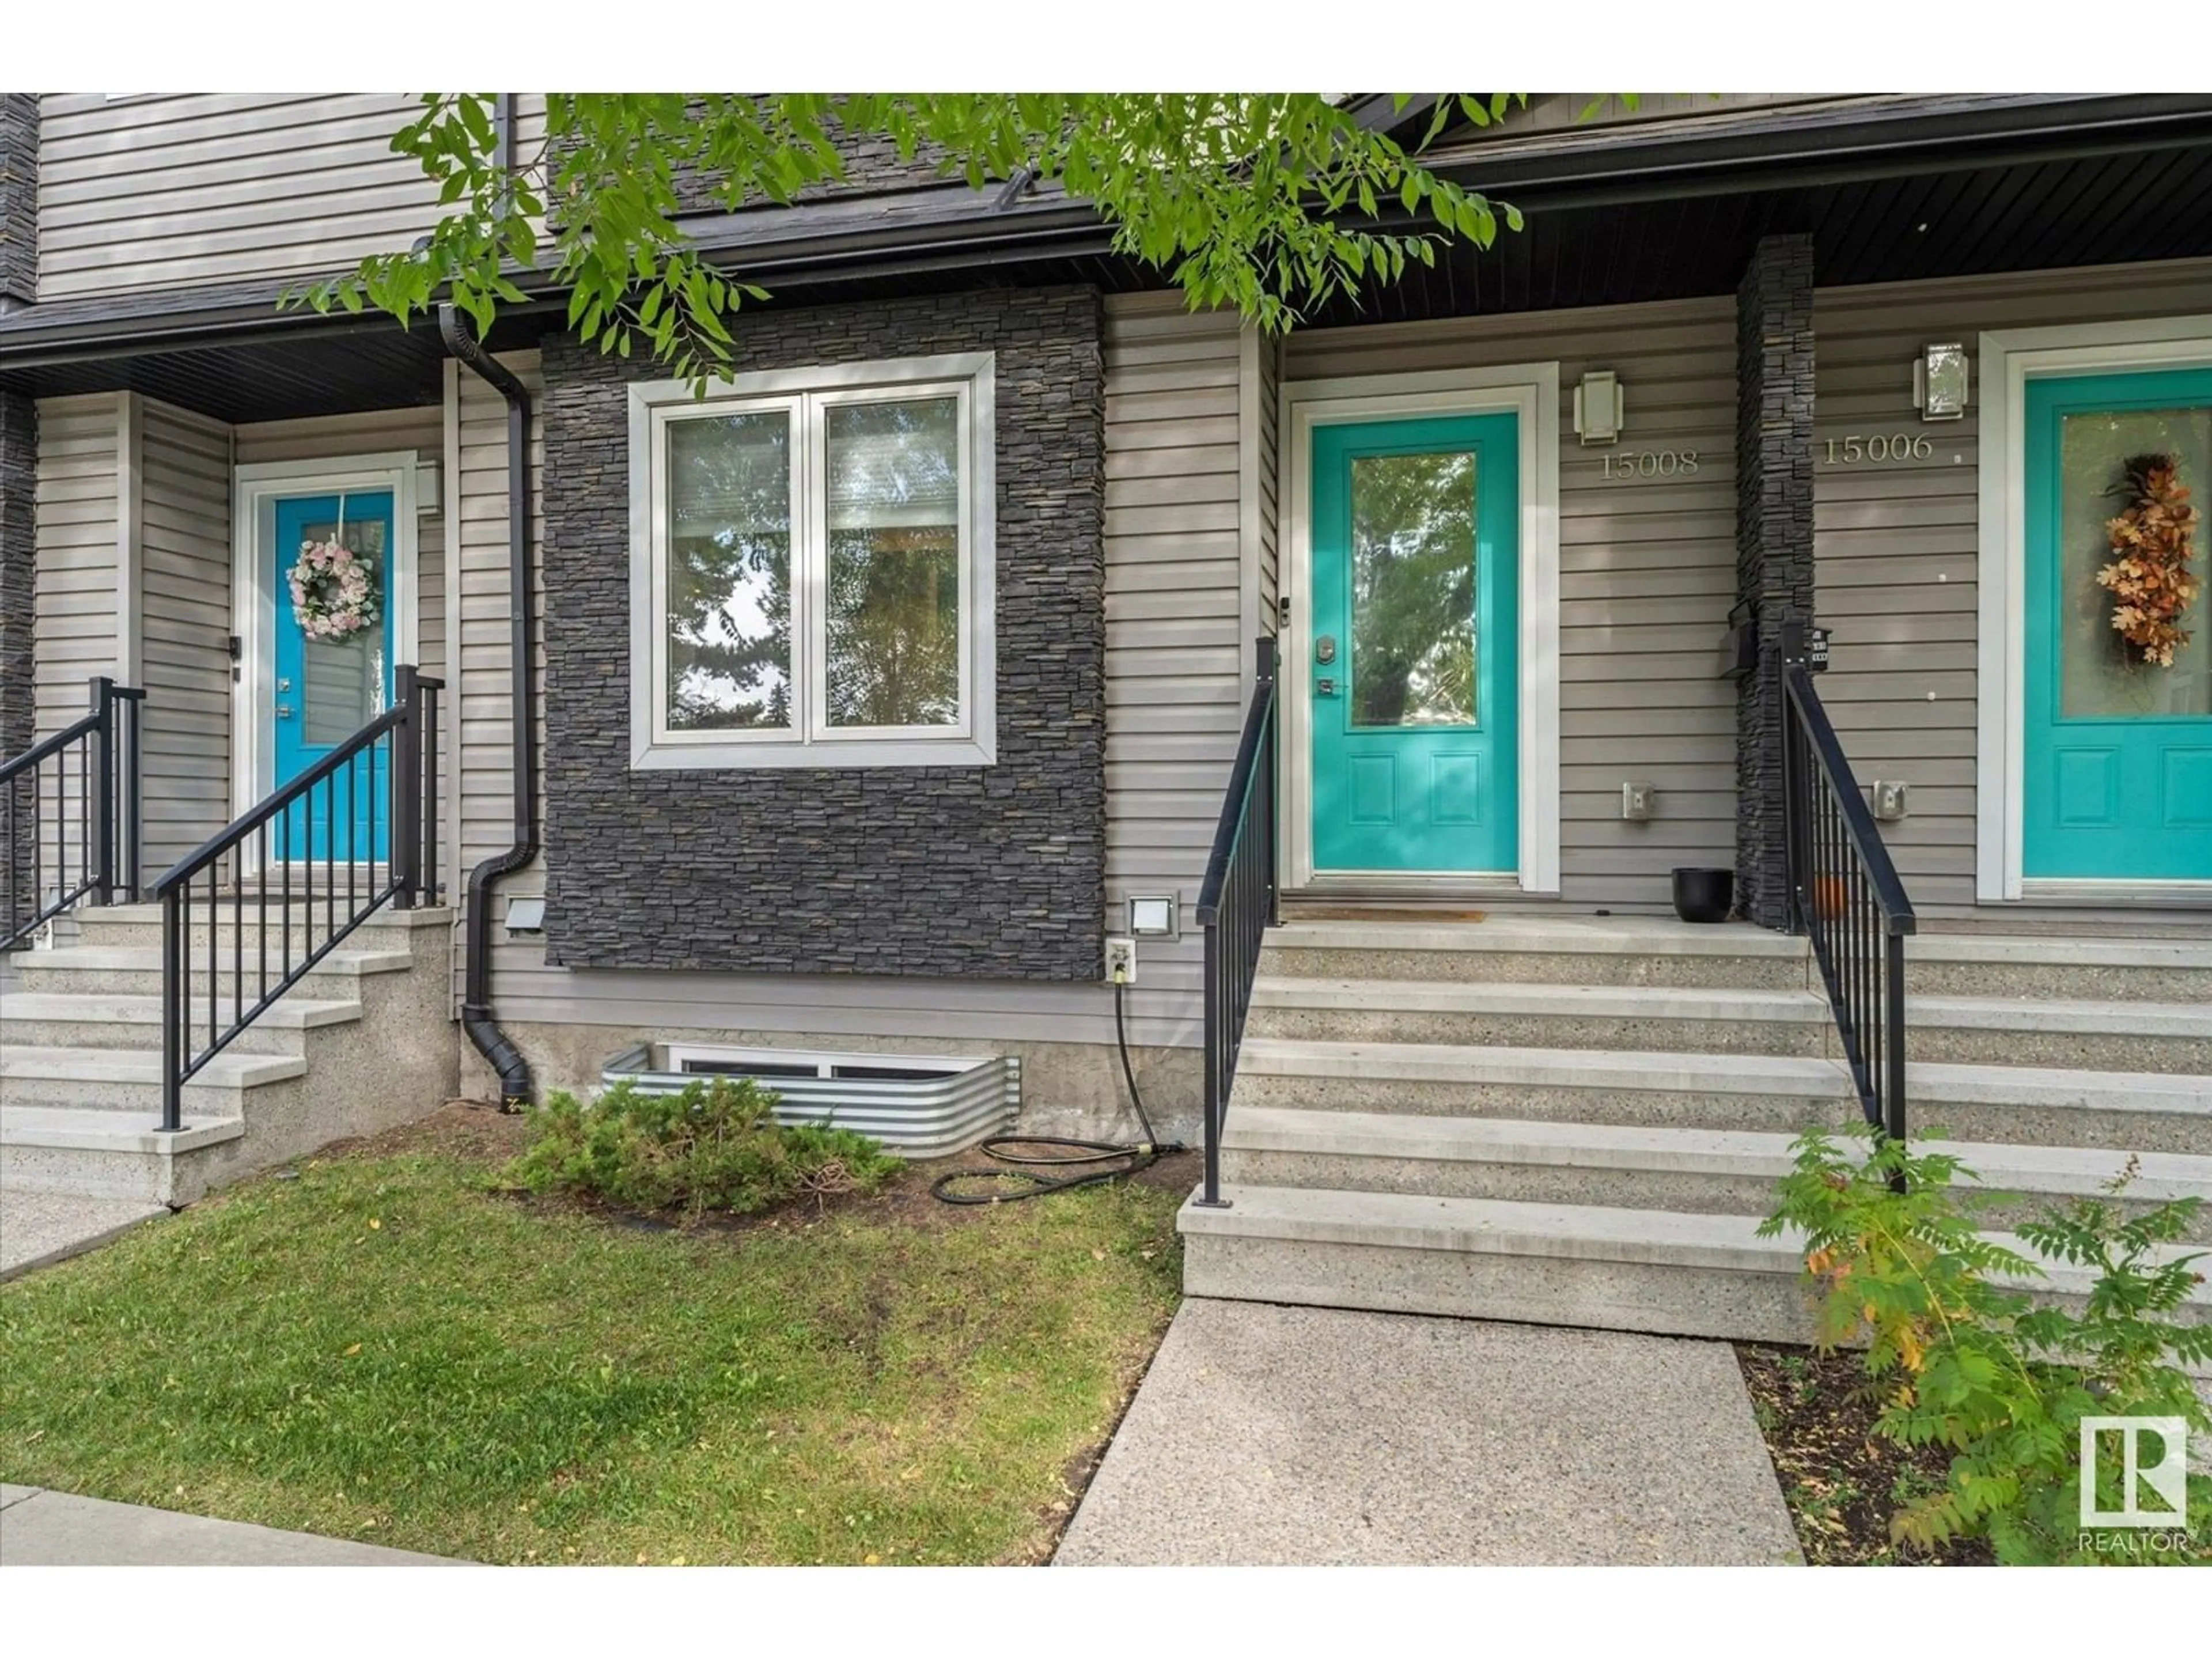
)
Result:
{"points": [[2116, 784]]}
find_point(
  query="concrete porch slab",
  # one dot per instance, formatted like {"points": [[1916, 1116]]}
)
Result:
{"points": [[1270, 1435], [37, 1228]]}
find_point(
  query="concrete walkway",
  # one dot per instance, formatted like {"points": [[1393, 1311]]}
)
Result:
{"points": [[1268, 1434], [54, 1529], [38, 1228]]}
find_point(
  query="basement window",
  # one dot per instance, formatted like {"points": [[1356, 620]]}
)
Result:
{"points": [[811, 567]]}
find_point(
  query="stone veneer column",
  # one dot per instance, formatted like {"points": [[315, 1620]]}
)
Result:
{"points": [[18, 455], [19, 197], [1774, 544], [19, 439]]}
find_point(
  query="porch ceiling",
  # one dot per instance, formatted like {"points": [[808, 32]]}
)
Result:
{"points": [[2110, 209]]}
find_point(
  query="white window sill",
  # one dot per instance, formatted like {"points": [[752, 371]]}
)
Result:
{"points": [[831, 756]]}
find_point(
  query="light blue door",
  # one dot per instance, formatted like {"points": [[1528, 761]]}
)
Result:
{"points": [[1412, 677], [2118, 780], [326, 689]]}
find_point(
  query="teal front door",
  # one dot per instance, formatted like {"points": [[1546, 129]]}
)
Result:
{"points": [[328, 685], [1412, 672], [2118, 755]]}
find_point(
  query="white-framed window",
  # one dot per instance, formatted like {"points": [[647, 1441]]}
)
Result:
{"points": [[812, 560]]}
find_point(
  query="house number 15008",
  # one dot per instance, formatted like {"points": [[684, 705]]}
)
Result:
{"points": [[1652, 464]]}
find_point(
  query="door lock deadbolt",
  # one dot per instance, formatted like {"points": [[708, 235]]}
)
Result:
{"points": [[1325, 648]]}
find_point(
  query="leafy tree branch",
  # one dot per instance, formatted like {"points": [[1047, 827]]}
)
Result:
{"points": [[1270, 204]]}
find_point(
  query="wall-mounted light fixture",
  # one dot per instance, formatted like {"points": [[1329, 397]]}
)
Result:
{"points": [[1601, 407], [1939, 382]]}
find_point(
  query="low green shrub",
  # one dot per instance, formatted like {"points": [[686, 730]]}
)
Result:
{"points": [[1958, 1353], [714, 1145]]}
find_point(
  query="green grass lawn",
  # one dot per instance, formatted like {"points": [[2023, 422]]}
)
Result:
{"points": [[381, 1349]]}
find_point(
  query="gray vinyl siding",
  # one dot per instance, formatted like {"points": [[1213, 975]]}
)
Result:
{"points": [[481, 727], [1177, 616], [1647, 572], [1176, 657], [77, 587], [78, 530], [1896, 545], [184, 619], [170, 189]]}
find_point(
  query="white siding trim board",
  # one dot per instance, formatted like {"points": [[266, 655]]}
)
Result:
{"points": [[257, 487], [1531, 392]]}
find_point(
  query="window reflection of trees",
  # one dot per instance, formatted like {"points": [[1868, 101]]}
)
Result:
{"points": [[893, 617], [1412, 589], [729, 572]]}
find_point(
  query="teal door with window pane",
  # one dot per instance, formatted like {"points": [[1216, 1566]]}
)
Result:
{"points": [[2118, 754], [327, 685], [1412, 672]]}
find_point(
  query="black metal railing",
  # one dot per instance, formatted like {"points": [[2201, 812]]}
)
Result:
{"points": [[69, 814], [287, 881], [1846, 894], [1237, 903]]}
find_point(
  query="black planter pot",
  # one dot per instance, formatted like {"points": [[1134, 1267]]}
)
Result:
{"points": [[1703, 894]]}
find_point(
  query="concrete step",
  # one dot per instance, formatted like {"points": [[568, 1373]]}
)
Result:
{"points": [[136, 970], [104, 1154], [1561, 950], [1604, 1267], [128, 926], [1622, 951], [94, 1020], [2147, 1036], [129, 1080], [1715, 1171], [2010, 1104]]}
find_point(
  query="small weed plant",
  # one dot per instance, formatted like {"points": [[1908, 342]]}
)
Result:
{"points": [[1960, 1353], [715, 1146]]}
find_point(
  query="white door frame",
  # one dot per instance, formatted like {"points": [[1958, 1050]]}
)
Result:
{"points": [[2009, 359], [257, 489], [1531, 391]]}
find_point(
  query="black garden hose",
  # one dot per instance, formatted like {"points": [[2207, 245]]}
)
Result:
{"points": [[1026, 1157]]}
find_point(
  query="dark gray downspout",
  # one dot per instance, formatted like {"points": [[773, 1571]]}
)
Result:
{"points": [[499, 1051]]}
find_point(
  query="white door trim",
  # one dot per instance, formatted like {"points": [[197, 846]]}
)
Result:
{"points": [[257, 488], [2009, 359], [1531, 391]]}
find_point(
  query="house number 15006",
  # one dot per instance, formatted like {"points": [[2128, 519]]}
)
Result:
{"points": [[1652, 464], [1851, 450]]}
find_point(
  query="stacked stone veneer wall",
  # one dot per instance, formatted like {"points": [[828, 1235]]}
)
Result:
{"points": [[996, 872], [19, 197], [1774, 544], [18, 456]]}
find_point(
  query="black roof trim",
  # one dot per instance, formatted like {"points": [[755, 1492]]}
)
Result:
{"points": [[1867, 137]]}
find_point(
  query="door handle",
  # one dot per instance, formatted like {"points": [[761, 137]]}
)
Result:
{"points": [[1325, 688], [283, 711]]}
